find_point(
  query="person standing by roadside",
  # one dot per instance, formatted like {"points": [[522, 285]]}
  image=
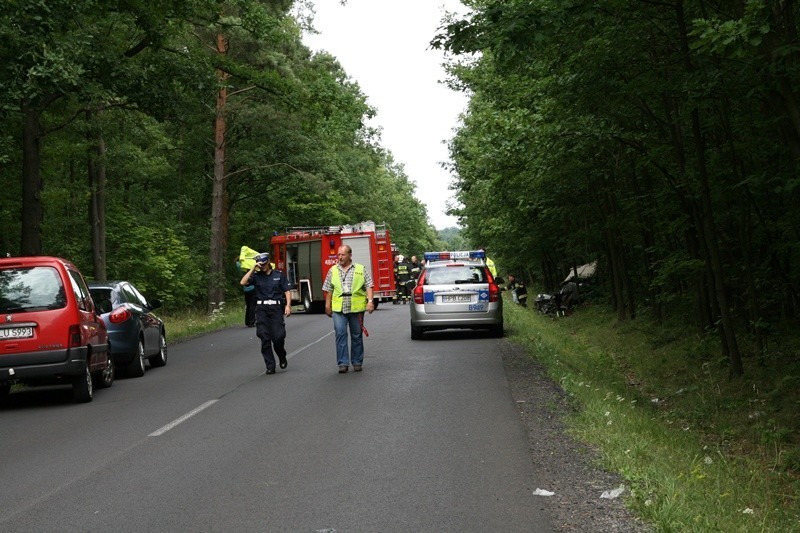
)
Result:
{"points": [[348, 293], [518, 291], [249, 298], [416, 268], [402, 275], [273, 303]]}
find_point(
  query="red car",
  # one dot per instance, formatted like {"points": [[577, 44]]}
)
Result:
{"points": [[50, 332]]}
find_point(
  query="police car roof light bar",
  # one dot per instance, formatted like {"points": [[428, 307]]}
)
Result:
{"points": [[448, 256]]}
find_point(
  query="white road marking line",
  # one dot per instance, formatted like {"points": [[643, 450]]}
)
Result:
{"points": [[209, 403], [297, 351], [185, 417]]}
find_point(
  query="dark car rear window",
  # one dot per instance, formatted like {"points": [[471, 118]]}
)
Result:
{"points": [[455, 274], [31, 289], [102, 298]]}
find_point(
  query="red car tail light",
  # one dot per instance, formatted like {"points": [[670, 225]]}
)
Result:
{"points": [[419, 297], [494, 292], [119, 315], [74, 336]]}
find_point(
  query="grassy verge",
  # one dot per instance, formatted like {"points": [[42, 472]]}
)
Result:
{"points": [[699, 452], [196, 322]]}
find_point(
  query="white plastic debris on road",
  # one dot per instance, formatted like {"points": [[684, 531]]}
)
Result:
{"points": [[542, 492], [611, 494]]}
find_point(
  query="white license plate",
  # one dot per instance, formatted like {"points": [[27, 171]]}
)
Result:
{"points": [[456, 298], [16, 333]]}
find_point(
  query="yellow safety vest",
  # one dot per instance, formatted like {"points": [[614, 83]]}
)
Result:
{"points": [[490, 265], [358, 300]]}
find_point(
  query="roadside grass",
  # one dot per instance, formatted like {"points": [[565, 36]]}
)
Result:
{"points": [[699, 452], [189, 323]]}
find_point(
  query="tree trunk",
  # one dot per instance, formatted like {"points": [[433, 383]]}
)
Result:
{"points": [[219, 208], [32, 184], [97, 199], [709, 230]]}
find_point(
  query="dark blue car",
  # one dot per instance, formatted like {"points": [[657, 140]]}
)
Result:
{"points": [[136, 334]]}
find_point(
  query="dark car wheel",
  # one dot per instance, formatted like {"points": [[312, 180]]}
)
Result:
{"points": [[496, 331], [82, 388], [105, 379], [136, 368], [160, 359], [416, 333]]}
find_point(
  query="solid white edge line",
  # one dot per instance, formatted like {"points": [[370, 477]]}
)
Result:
{"points": [[185, 417]]}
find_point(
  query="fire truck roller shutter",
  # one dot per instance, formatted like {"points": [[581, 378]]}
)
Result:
{"points": [[308, 268], [361, 251]]}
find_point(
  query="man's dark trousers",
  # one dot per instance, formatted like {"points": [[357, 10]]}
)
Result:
{"points": [[271, 329]]}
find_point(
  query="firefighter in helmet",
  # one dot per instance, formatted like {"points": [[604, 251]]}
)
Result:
{"points": [[402, 275]]}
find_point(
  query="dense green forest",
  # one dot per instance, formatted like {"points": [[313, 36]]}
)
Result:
{"points": [[151, 140], [658, 138]]}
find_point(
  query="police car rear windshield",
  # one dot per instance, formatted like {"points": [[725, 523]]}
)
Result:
{"points": [[454, 275]]}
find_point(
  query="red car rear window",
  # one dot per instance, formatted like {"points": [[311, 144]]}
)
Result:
{"points": [[31, 289]]}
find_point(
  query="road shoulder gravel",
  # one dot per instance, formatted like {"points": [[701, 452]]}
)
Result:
{"points": [[568, 468]]}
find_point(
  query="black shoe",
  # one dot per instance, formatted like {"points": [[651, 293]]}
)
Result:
{"points": [[282, 360], [270, 371]]}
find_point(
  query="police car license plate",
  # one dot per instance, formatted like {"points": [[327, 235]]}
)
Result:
{"points": [[456, 298], [16, 333]]}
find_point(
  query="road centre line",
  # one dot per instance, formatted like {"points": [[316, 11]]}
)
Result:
{"points": [[185, 417], [209, 403], [297, 351]]}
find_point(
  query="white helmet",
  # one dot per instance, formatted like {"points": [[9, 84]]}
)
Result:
{"points": [[400, 258]]}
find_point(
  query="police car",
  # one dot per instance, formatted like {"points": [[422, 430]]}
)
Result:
{"points": [[456, 290]]}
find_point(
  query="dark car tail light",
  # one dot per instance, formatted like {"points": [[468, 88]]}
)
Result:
{"points": [[419, 297], [494, 292], [74, 336], [119, 315]]}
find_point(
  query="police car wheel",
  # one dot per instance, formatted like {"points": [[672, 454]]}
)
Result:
{"points": [[416, 333]]}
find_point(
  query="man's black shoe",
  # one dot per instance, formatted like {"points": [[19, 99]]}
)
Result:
{"points": [[283, 362], [270, 371]]}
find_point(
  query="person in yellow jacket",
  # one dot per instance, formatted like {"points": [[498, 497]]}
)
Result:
{"points": [[489, 263], [348, 293]]}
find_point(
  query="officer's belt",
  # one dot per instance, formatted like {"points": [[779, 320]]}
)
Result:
{"points": [[346, 294], [268, 302]]}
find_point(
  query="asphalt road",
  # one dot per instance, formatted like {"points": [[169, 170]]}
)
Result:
{"points": [[426, 438]]}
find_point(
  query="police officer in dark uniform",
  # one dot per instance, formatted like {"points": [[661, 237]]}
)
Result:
{"points": [[273, 303]]}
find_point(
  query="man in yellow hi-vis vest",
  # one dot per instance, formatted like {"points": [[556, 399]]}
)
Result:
{"points": [[348, 293]]}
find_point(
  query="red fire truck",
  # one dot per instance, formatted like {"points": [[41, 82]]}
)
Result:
{"points": [[307, 253]]}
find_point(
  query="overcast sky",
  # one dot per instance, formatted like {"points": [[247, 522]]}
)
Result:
{"points": [[384, 46]]}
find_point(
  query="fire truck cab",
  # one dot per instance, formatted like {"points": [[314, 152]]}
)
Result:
{"points": [[307, 253]]}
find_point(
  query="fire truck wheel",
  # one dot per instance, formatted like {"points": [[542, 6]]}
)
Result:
{"points": [[307, 301]]}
